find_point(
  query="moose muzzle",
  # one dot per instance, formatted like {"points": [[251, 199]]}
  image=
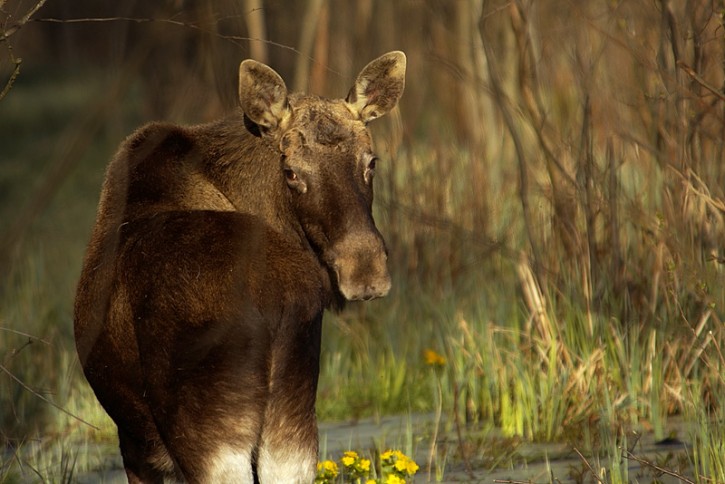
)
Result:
{"points": [[360, 263]]}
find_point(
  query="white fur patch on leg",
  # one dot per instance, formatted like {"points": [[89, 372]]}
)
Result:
{"points": [[286, 465], [230, 465]]}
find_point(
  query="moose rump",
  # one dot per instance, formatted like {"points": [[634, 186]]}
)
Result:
{"points": [[215, 251]]}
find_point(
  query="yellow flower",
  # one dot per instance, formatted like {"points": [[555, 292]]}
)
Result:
{"points": [[326, 471], [348, 458], [411, 467], [393, 479], [432, 358], [401, 464], [364, 464]]}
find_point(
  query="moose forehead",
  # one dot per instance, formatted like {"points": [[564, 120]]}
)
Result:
{"points": [[329, 123]]}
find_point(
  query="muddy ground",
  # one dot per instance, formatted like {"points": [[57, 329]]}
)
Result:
{"points": [[493, 459]]}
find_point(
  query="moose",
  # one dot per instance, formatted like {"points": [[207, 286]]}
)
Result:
{"points": [[215, 250]]}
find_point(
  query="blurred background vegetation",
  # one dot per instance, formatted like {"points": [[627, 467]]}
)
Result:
{"points": [[552, 194]]}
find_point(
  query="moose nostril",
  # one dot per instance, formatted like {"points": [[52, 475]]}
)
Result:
{"points": [[373, 292]]}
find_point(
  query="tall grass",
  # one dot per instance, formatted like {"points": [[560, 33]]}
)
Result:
{"points": [[570, 267]]}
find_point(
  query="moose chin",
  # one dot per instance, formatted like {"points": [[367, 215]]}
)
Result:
{"points": [[215, 251]]}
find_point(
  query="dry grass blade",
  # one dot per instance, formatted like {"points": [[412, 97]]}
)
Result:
{"points": [[698, 348], [52, 404], [546, 328], [535, 301]]}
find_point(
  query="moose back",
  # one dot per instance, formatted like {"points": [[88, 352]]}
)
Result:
{"points": [[215, 250]]}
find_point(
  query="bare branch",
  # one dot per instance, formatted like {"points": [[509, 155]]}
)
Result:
{"points": [[645, 462], [5, 35], [26, 18], [503, 103], [13, 76], [690, 72]]}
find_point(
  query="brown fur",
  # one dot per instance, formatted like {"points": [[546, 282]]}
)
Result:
{"points": [[215, 251]]}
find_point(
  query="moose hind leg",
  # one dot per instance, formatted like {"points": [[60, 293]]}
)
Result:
{"points": [[288, 457], [230, 464], [143, 465], [288, 446], [210, 413]]}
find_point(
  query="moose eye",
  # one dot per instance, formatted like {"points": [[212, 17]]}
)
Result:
{"points": [[290, 175], [370, 169], [294, 181]]}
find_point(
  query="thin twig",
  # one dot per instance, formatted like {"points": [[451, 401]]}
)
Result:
{"points": [[13, 353], [232, 38], [26, 335], [53, 404], [645, 462], [589, 466], [13, 76], [690, 72]]}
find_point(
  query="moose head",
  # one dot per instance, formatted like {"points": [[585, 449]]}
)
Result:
{"points": [[328, 164]]}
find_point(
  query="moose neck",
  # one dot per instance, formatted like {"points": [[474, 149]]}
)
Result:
{"points": [[247, 169]]}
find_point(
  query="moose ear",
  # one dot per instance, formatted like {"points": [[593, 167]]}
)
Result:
{"points": [[378, 86], [263, 96]]}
